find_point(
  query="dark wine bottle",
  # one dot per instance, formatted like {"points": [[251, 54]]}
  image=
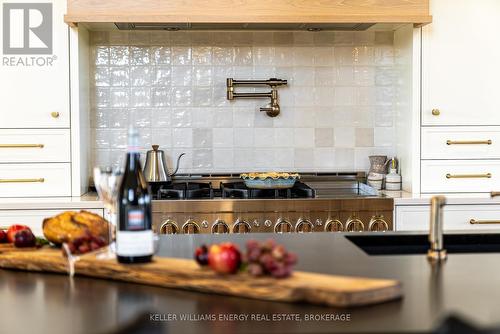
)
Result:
{"points": [[134, 237]]}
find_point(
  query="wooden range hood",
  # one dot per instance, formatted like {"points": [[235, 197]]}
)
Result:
{"points": [[248, 14]]}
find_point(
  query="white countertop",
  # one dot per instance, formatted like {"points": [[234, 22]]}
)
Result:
{"points": [[87, 201], [407, 198]]}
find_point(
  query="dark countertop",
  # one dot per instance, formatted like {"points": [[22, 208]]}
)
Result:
{"points": [[466, 285]]}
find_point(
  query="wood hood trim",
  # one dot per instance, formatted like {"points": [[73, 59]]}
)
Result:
{"points": [[248, 11]]}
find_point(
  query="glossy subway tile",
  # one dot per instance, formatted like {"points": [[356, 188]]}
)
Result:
{"points": [[338, 106]]}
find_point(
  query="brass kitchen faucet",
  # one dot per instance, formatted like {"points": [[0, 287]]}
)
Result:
{"points": [[273, 109], [437, 252]]}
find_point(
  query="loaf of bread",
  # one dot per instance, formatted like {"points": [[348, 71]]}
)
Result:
{"points": [[69, 225]]}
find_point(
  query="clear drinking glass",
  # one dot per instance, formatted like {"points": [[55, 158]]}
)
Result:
{"points": [[107, 180]]}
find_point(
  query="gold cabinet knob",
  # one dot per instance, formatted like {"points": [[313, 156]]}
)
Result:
{"points": [[436, 112], [54, 114]]}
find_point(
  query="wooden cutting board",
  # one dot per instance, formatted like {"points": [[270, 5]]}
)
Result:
{"points": [[336, 291]]}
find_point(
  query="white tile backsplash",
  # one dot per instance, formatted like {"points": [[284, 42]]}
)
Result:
{"points": [[323, 137], [304, 158], [303, 137], [344, 137], [337, 109], [243, 137], [223, 158], [324, 157], [264, 137]]}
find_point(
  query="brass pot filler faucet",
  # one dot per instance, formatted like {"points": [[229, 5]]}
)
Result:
{"points": [[273, 109]]}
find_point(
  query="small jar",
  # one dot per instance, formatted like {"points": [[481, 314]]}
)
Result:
{"points": [[393, 180]]}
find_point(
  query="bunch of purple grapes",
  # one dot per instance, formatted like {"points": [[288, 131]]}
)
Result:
{"points": [[86, 243], [269, 258]]}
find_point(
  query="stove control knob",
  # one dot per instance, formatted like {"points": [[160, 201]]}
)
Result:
{"points": [[204, 224], [378, 224], [268, 223], [220, 227], [334, 225], [304, 226], [169, 227], [354, 225], [190, 227], [241, 226], [283, 226], [256, 223]]}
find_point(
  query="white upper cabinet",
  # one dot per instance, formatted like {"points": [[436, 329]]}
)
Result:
{"points": [[461, 63], [34, 66]]}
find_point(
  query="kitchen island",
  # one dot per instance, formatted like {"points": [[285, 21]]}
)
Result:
{"points": [[466, 285]]}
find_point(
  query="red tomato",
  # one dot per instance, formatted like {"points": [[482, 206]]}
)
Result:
{"points": [[13, 229]]}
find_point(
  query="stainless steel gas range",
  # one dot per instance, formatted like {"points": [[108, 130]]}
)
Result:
{"points": [[332, 202]]}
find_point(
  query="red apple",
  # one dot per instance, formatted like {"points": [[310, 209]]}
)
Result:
{"points": [[13, 229], [3, 236], [224, 258]]}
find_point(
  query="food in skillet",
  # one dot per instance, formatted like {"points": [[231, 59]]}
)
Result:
{"points": [[270, 180]]}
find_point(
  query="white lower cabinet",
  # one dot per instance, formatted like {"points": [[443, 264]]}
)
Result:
{"points": [[460, 142], [34, 218], [35, 145], [35, 180], [456, 217], [452, 176]]}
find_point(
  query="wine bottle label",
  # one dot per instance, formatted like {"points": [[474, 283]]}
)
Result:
{"points": [[133, 141], [133, 148], [134, 243], [135, 219]]}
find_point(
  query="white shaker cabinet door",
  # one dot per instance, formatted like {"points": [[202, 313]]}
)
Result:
{"points": [[460, 63], [470, 218], [460, 176], [34, 145], [35, 180], [460, 142], [34, 66]]}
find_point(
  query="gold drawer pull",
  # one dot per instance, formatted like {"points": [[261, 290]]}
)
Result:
{"points": [[473, 221], [495, 193], [469, 142], [469, 176], [41, 180], [21, 145]]}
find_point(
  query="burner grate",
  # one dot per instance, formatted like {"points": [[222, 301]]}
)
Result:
{"points": [[240, 190], [182, 190], [197, 190]]}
